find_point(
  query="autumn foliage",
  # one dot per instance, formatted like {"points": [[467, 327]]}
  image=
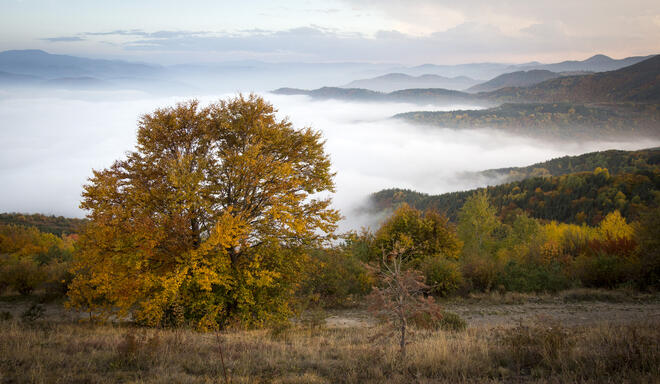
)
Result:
{"points": [[208, 218]]}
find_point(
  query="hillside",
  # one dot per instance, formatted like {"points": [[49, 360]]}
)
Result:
{"points": [[556, 121], [636, 83], [615, 161], [57, 225], [514, 79], [569, 190], [397, 81], [575, 198]]}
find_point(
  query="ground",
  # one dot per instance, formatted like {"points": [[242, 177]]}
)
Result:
{"points": [[576, 336], [570, 308]]}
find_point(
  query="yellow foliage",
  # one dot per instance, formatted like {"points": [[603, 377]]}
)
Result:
{"points": [[614, 226], [209, 211]]}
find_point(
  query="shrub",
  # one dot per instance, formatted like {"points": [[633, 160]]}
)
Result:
{"points": [[480, 272], [24, 276], [335, 278], [442, 275], [446, 321], [34, 313], [603, 270], [647, 234], [451, 321], [533, 277]]}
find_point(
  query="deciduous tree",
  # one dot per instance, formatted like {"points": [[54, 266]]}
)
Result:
{"points": [[209, 213]]}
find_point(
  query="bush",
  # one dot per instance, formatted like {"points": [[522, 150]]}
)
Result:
{"points": [[603, 270], [335, 278], [34, 313], [23, 276], [442, 275], [452, 322], [647, 234], [480, 272], [447, 321], [533, 277]]}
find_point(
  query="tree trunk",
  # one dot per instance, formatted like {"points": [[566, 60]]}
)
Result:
{"points": [[402, 342]]}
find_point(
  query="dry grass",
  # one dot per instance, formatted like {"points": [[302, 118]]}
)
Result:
{"points": [[575, 295], [536, 352]]}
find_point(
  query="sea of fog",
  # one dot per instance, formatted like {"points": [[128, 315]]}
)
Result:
{"points": [[50, 144]]}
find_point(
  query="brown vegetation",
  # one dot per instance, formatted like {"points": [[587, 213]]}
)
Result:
{"points": [[540, 351]]}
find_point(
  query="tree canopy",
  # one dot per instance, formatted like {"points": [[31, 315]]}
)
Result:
{"points": [[207, 218]]}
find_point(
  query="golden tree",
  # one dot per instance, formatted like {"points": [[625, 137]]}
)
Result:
{"points": [[207, 217]]}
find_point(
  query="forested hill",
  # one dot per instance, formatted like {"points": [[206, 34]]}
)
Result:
{"points": [[52, 224], [637, 83], [578, 197], [554, 120], [615, 161]]}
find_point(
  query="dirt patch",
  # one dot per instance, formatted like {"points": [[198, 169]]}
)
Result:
{"points": [[568, 314]]}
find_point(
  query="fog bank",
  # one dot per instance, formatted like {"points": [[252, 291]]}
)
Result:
{"points": [[50, 145]]}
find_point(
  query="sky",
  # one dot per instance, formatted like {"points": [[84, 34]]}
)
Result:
{"points": [[406, 32]]}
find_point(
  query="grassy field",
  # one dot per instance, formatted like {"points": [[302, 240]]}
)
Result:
{"points": [[524, 344]]}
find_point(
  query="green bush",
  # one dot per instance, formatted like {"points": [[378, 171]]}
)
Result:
{"points": [[603, 270], [442, 275], [647, 234], [533, 277], [335, 277]]}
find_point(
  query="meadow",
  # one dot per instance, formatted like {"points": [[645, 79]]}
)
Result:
{"points": [[577, 336]]}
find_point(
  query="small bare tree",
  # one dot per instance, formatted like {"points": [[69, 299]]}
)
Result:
{"points": [[401, 293]]}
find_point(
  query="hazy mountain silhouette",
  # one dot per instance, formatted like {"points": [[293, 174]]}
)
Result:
{"points": [[514, 79], [50, 66], [397, 81], [636, 83]]}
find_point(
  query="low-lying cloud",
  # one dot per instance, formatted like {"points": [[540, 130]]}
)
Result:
{"points": [[51, 143]]}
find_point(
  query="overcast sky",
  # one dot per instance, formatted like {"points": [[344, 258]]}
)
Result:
{"points": [[409, 32]]}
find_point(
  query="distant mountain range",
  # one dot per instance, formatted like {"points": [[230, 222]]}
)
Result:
{"points": [[515, 79], [33, 68], [596, 63], [501, 75], [636, 83], [639, 82], [48, 66], [397, 81], [437, 96]]}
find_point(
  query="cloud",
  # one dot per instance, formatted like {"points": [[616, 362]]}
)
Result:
{"points": [[500, 36], [469, 41], [62, 39]]}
